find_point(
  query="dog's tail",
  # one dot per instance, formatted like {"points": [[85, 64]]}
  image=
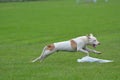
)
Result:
{"points": [[40, 55]]}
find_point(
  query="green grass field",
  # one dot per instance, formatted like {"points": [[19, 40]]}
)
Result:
{"points": [[26, 27]]}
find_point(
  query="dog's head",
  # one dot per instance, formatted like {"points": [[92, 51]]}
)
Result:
{"points": [[92, 40]]}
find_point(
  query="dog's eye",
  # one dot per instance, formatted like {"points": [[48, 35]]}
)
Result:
{"points": [[94, 40]]}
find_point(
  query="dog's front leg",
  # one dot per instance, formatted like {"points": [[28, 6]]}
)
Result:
{"points": [[81, 49], [91, 50], [84, 51]]}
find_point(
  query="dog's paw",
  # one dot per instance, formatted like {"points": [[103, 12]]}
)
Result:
{"points": [[97, 52]]}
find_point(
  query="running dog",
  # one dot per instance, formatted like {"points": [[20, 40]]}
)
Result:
{"points": [[76, 44]]}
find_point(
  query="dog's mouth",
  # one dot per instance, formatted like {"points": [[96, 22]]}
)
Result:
{"points": [[94, 45]]}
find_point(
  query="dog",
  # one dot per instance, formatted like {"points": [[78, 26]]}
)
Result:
{"points": [[78, 44]]}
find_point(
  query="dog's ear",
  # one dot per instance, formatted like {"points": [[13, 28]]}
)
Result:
{"points": [[88, 36], [91, 34]]}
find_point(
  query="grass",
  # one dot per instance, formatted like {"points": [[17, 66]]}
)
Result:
{"points": [[26, 27]]}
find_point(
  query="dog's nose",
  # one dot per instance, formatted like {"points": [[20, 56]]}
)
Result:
{"points": [[98, 43]]}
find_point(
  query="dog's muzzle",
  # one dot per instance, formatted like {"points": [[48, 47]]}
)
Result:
{"points": [[94, 45]]}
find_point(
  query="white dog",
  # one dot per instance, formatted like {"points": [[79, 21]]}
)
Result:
{"points": [[75, 44]]}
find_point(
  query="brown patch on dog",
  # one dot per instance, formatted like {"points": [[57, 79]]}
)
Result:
{"points": [[50, 47], [73, 44]]}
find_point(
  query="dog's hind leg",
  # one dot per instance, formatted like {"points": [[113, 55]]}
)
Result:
{"points": [[36, 59], [39, 56], [48, 50], [46, 54]]}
